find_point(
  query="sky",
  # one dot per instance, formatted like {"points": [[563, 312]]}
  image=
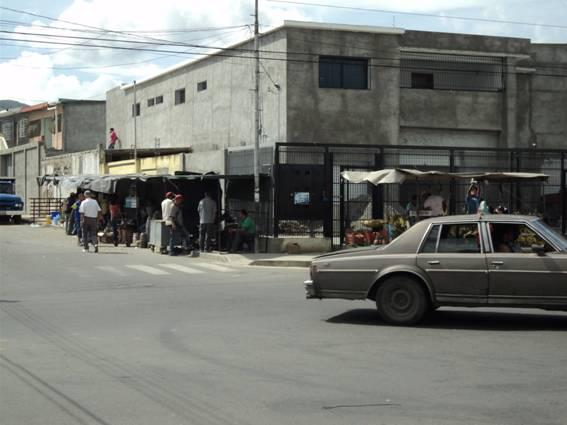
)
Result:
{"points": [[34, 69]]}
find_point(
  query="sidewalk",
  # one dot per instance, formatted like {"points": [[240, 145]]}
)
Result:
{"points": [[250, 259]]}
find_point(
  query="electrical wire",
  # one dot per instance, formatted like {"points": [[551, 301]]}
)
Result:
{"points": [[428, 15], [248, 54]]}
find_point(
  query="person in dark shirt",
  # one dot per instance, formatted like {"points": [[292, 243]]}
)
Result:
{"points": [[177, 227]]}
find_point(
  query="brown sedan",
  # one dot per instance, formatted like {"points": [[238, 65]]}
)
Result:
{"points": [[469, 260]]}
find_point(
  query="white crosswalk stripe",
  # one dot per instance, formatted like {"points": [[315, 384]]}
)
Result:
{"points": [[216, 267], [113, 270], [180, 268], [147, 269]]}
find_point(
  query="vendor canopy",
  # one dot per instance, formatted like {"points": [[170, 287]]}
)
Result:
{"points": [[400, 175]]}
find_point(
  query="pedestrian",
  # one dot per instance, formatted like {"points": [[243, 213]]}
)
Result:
{"points": [[115, 217], [166, 205], [177, 227], [77, 217], [472, 201], [69, 216], [245, 233], [436, 204], [113, 139], [90, 214], [411, 210], [207, 209]]}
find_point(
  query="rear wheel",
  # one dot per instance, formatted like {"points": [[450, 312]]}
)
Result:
{"points": [[401, 301]]}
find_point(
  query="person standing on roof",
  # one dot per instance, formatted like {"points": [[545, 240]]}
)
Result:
{"points": [[113, 138], [90, 214], [207, 209]]}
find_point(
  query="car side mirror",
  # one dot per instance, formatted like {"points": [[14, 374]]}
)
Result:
{"points": [[539, 250]]}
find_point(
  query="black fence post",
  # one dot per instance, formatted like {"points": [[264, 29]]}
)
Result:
{"points": [[328, 194], [341, 212], [276, 174], [563, 195], [452, 185], [377, 190]]}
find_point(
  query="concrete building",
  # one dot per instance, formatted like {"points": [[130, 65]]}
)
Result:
{"points": [[41, 135], [324, 83]]}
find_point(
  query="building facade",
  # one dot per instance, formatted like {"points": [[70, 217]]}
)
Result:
{"points": [[353, 85], [49, 137]]}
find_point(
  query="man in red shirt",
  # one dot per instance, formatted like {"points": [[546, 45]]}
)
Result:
{"points": [[113, 139]]}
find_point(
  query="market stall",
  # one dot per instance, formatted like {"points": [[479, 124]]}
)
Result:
{"points": [[378, 230]]}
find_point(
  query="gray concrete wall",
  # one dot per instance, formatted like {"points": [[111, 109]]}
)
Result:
{"points": [[324, 115], [86, 162], [83, 126], [210, 120], [549, 96], [451, 109], [26, 168], [465, 42]]}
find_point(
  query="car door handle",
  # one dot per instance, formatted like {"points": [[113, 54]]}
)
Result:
{"points": [[497, 263], [434, 262]]}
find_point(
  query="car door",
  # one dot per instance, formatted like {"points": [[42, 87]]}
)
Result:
{"points": [[517, 275], [453, 258]]}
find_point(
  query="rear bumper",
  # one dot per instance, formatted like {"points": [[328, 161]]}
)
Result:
{"points": [[310, 291], [11, 212]]}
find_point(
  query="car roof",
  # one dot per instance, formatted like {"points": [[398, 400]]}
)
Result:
{"points": [[482, 217]]}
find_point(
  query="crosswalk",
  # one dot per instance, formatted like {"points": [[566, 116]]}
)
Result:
{"points": [[165, 269]]}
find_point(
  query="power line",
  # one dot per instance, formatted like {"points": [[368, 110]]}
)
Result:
{"points": [[266, 58], [429, 15]]}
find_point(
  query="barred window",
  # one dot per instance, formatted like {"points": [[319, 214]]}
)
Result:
{"points": [[151, 102], [179, 96], [159, 99], [451, 72], [202, 86]]}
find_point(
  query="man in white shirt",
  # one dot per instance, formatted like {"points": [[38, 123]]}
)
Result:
{"points": [[436, 204], [166, 206], [90, 214]]}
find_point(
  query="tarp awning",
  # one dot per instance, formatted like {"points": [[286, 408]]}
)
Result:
{"points": [[400, 175]]}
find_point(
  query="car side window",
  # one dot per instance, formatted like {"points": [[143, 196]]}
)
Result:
{"points": [[515, 238], [430, 244], [461, 238]]}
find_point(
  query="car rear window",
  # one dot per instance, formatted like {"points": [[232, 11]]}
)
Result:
{"points": [[430, 244]]}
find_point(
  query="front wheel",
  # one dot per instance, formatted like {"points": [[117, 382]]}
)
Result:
{"points": [[401, 301]]}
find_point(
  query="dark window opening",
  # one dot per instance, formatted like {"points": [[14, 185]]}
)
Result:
{"points": [[34, 129], [202, 86], [136, 109], [343, 73], [159, 99], [151, 102], [59, 122], [179, 96], [421, 80]]}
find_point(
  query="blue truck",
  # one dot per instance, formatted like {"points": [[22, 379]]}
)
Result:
{"points": [[11, 205]]}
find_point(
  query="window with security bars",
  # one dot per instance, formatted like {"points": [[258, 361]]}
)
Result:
{"points": [[451, 72], [179, 96]]}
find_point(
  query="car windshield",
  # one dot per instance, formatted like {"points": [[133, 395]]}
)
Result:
{"points": [[551, 234], [6, 187]]}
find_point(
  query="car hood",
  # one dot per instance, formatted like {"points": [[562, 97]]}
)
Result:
{"points": [[353, 252], [6, 197]]}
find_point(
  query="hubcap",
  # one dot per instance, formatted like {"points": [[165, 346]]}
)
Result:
{"points": [[401, 300]]}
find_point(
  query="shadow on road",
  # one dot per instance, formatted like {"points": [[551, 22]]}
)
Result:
{"points": [[466, 320]]}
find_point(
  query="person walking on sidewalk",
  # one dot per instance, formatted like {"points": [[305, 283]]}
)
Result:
{"points": [[166, 206], [77, 222], [90, 214], [207, 209]]}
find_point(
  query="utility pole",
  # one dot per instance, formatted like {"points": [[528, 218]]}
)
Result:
{"points": [[257, 128], [135, 111]]}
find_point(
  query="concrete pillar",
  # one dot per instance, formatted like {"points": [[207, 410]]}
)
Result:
{"points": [[510, 139]]}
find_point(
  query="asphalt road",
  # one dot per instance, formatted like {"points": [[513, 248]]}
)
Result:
{"points": [[131, 337]]}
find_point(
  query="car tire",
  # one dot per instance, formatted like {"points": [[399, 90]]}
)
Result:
{"points": [[401, 301]]}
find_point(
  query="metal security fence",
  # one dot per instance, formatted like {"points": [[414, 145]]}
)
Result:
{"points": [[311, 198]]}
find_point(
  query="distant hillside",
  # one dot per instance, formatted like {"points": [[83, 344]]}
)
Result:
{"points": [[9, 104]]}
